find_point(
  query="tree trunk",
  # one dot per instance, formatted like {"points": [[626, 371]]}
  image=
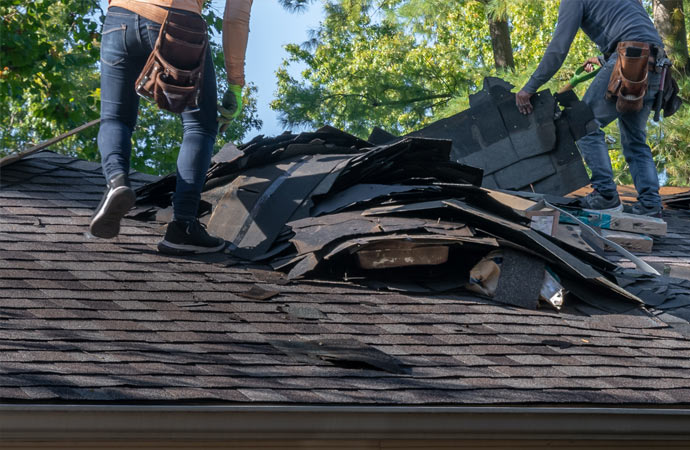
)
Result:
{"points": [[500, 42], [669, 19]]}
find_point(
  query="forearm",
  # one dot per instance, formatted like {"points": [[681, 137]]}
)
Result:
{"points": [[235, 36], [569, 20], [549, 65]]}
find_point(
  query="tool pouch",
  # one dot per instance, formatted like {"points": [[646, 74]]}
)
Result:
{"points": [[173, 73], [628, 82]]}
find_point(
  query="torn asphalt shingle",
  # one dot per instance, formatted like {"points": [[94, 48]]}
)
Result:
{"points": [[162, 329]]}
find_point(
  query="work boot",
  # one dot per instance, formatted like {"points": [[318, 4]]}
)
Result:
{"points": [[117, 200], [186, 237], [642, 210], [600, 202]]}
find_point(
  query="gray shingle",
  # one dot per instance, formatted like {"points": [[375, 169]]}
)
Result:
{"points": [[104, 321]]}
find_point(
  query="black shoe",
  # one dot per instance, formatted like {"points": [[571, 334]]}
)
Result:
{"points": [[642, 210], [600, 202], [185, 237], [117, 201]]}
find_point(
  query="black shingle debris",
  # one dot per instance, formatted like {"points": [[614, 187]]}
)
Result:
{"points": [[115, 322], [532, 153], [399, 216], [253, 207], [677, 201]]}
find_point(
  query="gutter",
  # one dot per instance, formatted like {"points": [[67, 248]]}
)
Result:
{"points": [[149, 422]]}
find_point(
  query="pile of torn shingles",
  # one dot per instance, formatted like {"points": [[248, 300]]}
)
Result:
{"points": [[403, 216], [536, 152]]}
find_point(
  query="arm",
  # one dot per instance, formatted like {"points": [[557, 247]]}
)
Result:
{"points": [[570, 17], [235, 36]]}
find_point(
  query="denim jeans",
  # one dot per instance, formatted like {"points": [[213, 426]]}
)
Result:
{"points": [[633, 130], [126, 43]]}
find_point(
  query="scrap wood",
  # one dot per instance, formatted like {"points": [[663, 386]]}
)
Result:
{"points": [[337, 250], [356, 244], [617, 221], [587, 229], [630, 241], [401, 253], [313, 234], [548, 251]]}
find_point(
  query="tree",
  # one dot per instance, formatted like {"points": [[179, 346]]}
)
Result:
{"points": [[48, 52], [400, 64], [500, 34], [49, 84], [669, 19]]}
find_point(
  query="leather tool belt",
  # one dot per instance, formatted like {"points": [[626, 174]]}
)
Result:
{"points": [[628, 82], [173, 73]]}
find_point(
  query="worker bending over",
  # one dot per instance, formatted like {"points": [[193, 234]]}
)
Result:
{"points": [[624, 89]]}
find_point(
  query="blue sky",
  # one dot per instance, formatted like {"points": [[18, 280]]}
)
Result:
{"points": [[271, 27]]}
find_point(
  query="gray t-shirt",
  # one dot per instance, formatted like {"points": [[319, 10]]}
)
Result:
{"points": [[606, 22]]}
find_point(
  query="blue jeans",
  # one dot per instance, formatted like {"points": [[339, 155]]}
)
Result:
{"points": [[126, 43], [633, 130]]}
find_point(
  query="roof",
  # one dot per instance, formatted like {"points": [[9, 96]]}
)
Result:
{"points": [[110, 322]]}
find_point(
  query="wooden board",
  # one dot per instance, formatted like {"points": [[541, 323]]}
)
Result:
{"points": [[545, 221], [618, 221], [515, 202], [634, 242]]}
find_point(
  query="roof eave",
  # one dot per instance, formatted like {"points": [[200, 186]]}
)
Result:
{"points": [[103, 422]]}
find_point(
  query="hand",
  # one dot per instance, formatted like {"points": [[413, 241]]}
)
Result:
{"points": [[231, 106], [522, 101], [590, 63]]}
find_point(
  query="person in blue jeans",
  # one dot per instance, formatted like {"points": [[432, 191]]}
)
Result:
{"points": [[129, 35], [607, 23]]}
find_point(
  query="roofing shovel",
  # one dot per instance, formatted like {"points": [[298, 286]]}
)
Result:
{"points": [[579, 77]]}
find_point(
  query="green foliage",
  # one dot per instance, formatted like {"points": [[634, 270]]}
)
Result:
{"points": [[401, 64], [50, 83]]}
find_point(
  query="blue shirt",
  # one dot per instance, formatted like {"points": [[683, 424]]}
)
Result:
{"points": [[606, 22]]}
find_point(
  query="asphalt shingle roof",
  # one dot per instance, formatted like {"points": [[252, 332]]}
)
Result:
{"points": [[89, 320]]}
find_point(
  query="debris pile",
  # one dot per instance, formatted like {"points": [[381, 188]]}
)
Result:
{"points": [[517, 152], [397, 216], [677, 201], [402, 215]]}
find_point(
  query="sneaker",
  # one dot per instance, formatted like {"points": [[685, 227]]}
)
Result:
{"points": [[600, 202], [642, 210], [185, 237], [116, 202]]}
